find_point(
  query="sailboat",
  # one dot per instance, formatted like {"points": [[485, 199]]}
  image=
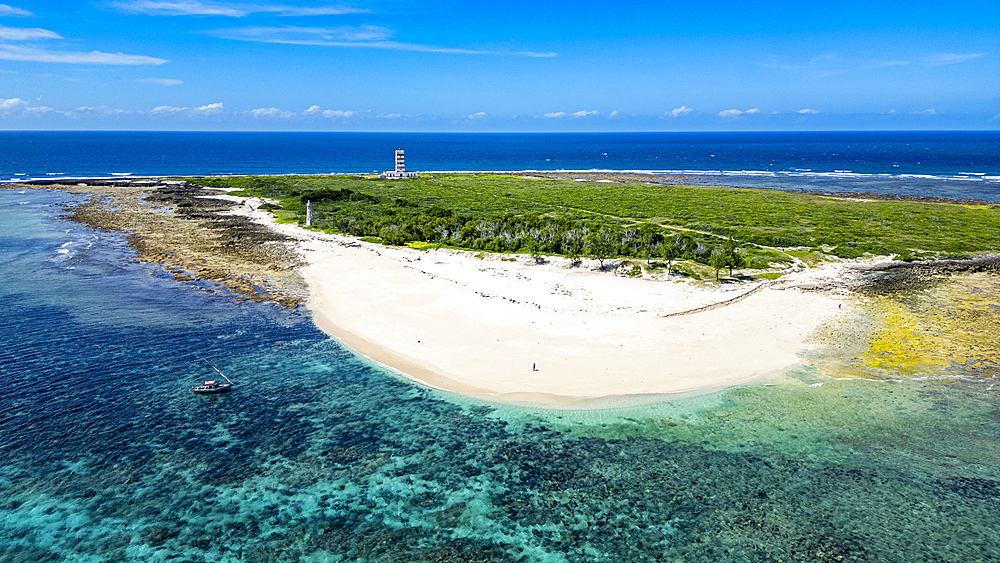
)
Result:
{"points": [[213, 385]]}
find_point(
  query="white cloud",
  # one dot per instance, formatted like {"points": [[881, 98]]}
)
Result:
{"points": [[478, 115], [179, 9], [305, 35], [101, 111], [808, 111], [328, 113], [168, 109], [267, 112], [26, 33], [40, 55], [389, 116], [941, 59], [11, 103], [17, 106], [677, 112], [366, 36], [582, 113], [162, 81], [737, 113], [17, 53], [230, 9], [38, 109], [926, 112], [613, 114], [555, 115], [338, 114], [209, 109], [6, 10], [827, 65]]}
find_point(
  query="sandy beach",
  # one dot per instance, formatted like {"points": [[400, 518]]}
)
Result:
{"points": [[542, 333]]}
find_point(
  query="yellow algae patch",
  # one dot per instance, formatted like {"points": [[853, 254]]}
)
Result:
{"points": [[904, 344], [950, 329]]}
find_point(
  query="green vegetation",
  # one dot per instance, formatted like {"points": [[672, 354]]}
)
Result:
{"points": [[749, 228]]}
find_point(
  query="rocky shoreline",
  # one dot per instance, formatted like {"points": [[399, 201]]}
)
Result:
{"points": [[193, 235], [895, 277]]}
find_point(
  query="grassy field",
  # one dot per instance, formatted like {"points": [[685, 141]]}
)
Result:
{"points": [[563, 216]]}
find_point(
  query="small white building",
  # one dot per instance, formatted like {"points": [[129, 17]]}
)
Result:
{"points": [[400, 171]]}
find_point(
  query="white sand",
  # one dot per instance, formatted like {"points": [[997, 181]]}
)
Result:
{"points": [[477, 326]]}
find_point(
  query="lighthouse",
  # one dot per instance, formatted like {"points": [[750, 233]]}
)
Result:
{"points": [[400, 171], [400, 161]]}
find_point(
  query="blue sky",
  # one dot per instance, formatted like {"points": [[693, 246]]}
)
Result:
{"points": [[401, 65]]}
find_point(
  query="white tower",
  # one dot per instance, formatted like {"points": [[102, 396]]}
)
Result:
{"points": [[400, 171], [309, 213]]}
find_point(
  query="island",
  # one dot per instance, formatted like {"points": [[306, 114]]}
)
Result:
{"points": [[549, 288]]}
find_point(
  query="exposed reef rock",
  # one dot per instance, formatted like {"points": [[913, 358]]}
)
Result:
{"points": [[895, 277], [194, 235]]}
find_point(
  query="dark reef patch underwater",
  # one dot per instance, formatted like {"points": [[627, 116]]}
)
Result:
{"points": [[106, 455]]}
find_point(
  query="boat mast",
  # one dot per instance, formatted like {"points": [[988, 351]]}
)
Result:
{"points": [[218, 370]]}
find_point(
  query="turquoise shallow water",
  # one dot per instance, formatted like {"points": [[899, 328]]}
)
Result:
{"points": [[106, 455]]}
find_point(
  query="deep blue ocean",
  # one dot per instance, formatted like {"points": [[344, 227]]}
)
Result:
{"points": [[320, 455], [957, 165]]}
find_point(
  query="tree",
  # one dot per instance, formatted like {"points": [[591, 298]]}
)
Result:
{"points": [[736, 260], [734, 256], [393, 234], [630, 237], [669, 251], [532, 246], [651, 238], [600, 247], [573, 252], [684, 244], [718, 260]]}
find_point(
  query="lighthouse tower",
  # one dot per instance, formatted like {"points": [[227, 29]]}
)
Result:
{"points": [[400, 171]]}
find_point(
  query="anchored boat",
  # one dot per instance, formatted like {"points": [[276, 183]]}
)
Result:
{"points": [[214, 386]]}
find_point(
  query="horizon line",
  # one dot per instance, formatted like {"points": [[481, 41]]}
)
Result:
{"points": [[530, 132]]}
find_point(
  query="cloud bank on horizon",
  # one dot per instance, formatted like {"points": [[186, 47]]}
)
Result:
{"points": [[408, 66]]}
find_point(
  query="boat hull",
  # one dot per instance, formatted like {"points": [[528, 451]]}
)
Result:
{"points": [[212, 389]]}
